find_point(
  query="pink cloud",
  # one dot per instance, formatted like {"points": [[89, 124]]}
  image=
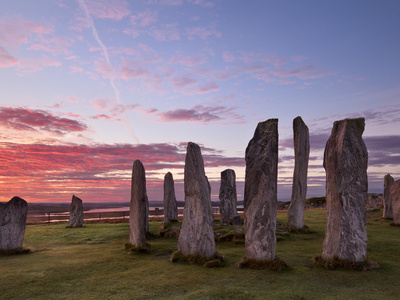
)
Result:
{"points": [[166, 2], [55, 45], [108, 9], [101, 116], [200, 114], [182, 82], [188, 61], [75, 69], [101, 104], [24, 119], [132, 32], [104, 68], [6, 60], [202, 33], [168, 32], [204, 3], [299, 58], [16, 31], [228, 56], [257, 57], [131, 70], [99, 172], [31, 65], [303, 72], [208, 87], [144, 18]]}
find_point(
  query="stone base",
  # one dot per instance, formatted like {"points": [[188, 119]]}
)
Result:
{"points": [[138, 250], [340, 264], [236, 236], [214, 261], [15, 251], [276, 265], [170, 230]]}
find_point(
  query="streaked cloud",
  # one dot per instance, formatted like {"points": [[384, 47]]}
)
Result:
{"points": [[23, 119], [199, 113]]}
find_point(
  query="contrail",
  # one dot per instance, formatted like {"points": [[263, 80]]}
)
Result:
{"points": [[90, 22]]}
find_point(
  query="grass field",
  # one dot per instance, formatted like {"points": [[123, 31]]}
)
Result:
{"points": [[91, 263]]}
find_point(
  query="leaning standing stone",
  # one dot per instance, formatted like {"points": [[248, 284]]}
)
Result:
{"points": [[395, 197], [12, 224], [345, 163], [299, 188], [170, 205], [228, 196], [260, 200], [138, 216], [196, 238], [76, 212], [387, 202]]}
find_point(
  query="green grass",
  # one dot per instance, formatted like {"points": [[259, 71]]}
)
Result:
{"points": [[92, 263]]}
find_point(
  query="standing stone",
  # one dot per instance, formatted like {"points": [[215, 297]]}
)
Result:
{"points": [[197, 235], [260, 199], [170, 205], [76, 212], [139, 206], [12, 224], [395, 197], [345, 163], [387, 201], [299, 188], [227, 196]]}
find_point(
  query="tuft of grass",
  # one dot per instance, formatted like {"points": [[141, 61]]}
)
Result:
{"points": [[15, 251], [215, 261], [305, 229], [337, 263], [236, 236], [138, 250], [276, 264]]}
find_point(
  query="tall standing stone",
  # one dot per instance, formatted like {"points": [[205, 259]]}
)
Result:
{"points": [[387, 201], [345, 163], [228, 196], [299, 188], [170, 205], [138, 215], [395, 197], [12, 224], [260, 199], [76, 212], [197, 235]]}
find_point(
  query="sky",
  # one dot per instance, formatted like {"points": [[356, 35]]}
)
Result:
{"points": [[89, 86]]}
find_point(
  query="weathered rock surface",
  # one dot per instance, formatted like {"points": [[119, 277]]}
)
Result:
{"points": [[12, 223], [227, 196], [345, 163], [299, 188], [170, 205], [395, 197], [387, 202], [260, 198], [76, 212], [139, 206], [197, 235]]}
